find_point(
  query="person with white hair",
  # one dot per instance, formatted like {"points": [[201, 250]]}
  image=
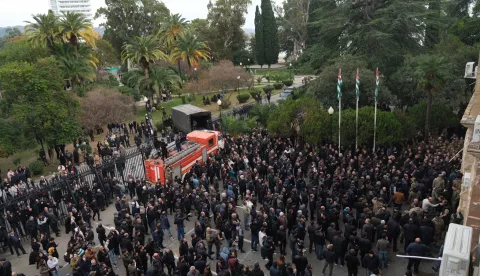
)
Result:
{"points": [[193, 272]]}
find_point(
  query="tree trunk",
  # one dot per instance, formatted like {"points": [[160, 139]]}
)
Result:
{"points": [[428, 114], [147, 77]]}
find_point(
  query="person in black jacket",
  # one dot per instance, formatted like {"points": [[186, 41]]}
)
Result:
{"points": [[371, 262], [393, 231], [330, 258], [301, 263], [101, 233], [352, 263], [365, 245], [340, 247], [319, 242], [411, 233], [282, 240], [416, 248]]}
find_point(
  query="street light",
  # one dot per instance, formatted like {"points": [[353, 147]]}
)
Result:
{"points": [[290, 67], [195, 73], [330, 112], [238, 84]]}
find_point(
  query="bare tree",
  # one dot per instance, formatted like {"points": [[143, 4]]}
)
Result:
{"points": [[221, 77], [105, 105]]}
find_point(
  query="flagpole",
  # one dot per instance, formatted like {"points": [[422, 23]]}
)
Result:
{"points": [[375, 126], [357, 95], [339, 95], [377, 84], [356, 128], [339, 122]]}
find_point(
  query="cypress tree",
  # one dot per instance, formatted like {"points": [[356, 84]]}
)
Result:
{"points": [[259, 45], [270, 38]]}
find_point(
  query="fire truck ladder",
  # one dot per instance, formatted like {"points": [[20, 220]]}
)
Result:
{"points": [[178, 156]]}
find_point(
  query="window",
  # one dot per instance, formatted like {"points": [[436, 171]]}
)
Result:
{"points": [[210, 143]]}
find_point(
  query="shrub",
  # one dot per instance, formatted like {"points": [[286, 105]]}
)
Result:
{"points": [[16, 162], [259, 79], [191, 98], [226, 104], [255, 92], [278, 86], [288, 82], [36, 167], [243, 98], [184, 99], [267, 88]]}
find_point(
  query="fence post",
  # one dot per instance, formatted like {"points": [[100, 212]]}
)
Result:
{"points": [[72, 195], [143, 164]]}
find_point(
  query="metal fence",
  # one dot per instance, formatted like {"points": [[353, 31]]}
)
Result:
{"points": [[59, 190]]}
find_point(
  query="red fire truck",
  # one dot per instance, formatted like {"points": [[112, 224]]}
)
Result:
{"points": [[199, 144]]}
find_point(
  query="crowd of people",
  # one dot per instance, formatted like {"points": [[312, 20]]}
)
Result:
{"points": [[350, 208]]}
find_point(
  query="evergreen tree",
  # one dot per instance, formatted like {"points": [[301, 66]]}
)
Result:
{"points": [[270, 38], [259, 44]]}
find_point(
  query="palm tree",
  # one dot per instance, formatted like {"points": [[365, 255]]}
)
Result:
{"points": [[77, 26], [431, 72], [190, 49], [77, 65], [173, 28], [160, 78], [44, 31], [143, 50]]}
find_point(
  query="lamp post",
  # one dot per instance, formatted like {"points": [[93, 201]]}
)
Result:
{"points": [[195, 73], [330, 112], [247, 64], [238, 84], [290, 67]]}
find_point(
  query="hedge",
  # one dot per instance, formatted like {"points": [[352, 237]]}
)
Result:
{"points": [[36, 167], [288, 82], [278, 86], [243, 98], [255, 92], [268, 88]]}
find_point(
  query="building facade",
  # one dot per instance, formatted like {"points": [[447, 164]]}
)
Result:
{"points": [[470, 195], [77, 6]]}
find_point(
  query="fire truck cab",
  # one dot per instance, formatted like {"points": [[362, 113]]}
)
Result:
{"points": [[199, 144]]}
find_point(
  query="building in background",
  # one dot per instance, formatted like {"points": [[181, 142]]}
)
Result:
{"points": [[77, 6]]}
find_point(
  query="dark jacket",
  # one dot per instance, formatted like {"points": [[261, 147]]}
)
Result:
{"points": [[330, 256], [371, 262], [417, 249], [426, 234], [411, 231], [352, 263], [393, 228], [300, 262], [364, 244], [340, 245]]}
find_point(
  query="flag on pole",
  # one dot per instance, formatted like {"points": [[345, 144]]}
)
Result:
{"points": [[357, 95], [377, 84], [357, 85], [339, 84], [339, 95], [377, 88]]}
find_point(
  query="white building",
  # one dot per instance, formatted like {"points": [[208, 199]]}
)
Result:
{"points": [[78, 6]]}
